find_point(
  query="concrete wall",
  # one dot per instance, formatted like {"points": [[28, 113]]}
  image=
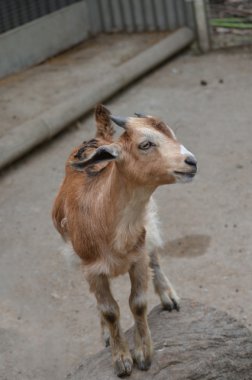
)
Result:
{"points": [[44, 37], [40, 39]]}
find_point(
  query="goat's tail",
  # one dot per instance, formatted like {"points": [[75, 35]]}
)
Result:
{"points": [[104, 127]]}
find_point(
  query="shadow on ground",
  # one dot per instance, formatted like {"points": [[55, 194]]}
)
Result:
{"points": [[187, 246]]}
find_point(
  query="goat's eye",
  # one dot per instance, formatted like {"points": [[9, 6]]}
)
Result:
{"points": [[145, 145]]}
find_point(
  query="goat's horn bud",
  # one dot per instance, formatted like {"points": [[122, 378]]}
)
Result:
{"points": [[120, 121], [140, 114]]}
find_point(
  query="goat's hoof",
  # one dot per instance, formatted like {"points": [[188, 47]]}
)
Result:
{"points": [[170, 303], [176, 305], [123, 366], [143, 363], [168, 306], [173, 305]]}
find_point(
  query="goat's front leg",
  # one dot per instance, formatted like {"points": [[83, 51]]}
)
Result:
{"points": [[104, 331], [162, 285], [110, 315], [138, 304]]}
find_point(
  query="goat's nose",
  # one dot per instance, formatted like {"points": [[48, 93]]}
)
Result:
{"points": [[191, 160]]}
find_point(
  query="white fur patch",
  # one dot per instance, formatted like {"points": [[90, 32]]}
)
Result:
{"points": [[134, 217], [184, 151], [151, 134], [153, 237], [131, 220]]}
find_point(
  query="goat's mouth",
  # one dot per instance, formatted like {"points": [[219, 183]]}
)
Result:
{"points": [[185, 176], [188, 174]]}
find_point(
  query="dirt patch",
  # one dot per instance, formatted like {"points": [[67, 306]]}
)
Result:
{"points": [[187, 246]]}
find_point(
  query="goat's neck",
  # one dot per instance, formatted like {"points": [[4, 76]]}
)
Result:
{"points": [[131, 207], [131, 196]]}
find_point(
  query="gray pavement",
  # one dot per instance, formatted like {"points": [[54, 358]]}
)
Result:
{"points": [[48, 321]]}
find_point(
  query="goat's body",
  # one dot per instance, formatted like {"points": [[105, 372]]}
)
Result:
{"points": [[105, 209]]}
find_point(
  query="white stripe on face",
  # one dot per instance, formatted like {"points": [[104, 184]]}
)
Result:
{"points": [[184, 151]]}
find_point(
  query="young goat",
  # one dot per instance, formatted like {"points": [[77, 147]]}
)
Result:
{"points": [[104, 207]]}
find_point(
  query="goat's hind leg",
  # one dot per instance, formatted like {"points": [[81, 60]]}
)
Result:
{"points": [[110, 315], [162, 285]]}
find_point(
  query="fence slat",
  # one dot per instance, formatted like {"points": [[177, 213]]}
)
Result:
{"points": [[171, 14], [138, 15], [117, 15], [106, 15], [180, 8], [159, 10], [128, 15], [95, 15], [149, 15], [189, 12]]}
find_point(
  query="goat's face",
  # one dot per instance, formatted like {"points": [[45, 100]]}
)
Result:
{"points": [[150, 154], [147, 153]]}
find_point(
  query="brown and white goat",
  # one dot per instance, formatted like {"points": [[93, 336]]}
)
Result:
{"points": [[104, 208]]}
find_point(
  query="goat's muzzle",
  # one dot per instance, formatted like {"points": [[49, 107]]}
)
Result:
{"points": [[190, 171]]}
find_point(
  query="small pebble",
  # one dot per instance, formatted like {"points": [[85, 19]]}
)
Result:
{"points": [[221, 81], [239, 166], [174, 71], [55, 296], [203, 82]]}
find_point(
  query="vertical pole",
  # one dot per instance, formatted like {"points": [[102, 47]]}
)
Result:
{"points": [[202, 25]]}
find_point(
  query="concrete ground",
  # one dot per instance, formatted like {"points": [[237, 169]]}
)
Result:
{"points": [[48, 318]]}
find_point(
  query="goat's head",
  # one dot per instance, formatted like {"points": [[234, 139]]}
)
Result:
{"points": [[147, 153]]}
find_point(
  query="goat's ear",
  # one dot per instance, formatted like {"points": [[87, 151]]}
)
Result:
{"points": [[103, 123], [103, 153]]}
